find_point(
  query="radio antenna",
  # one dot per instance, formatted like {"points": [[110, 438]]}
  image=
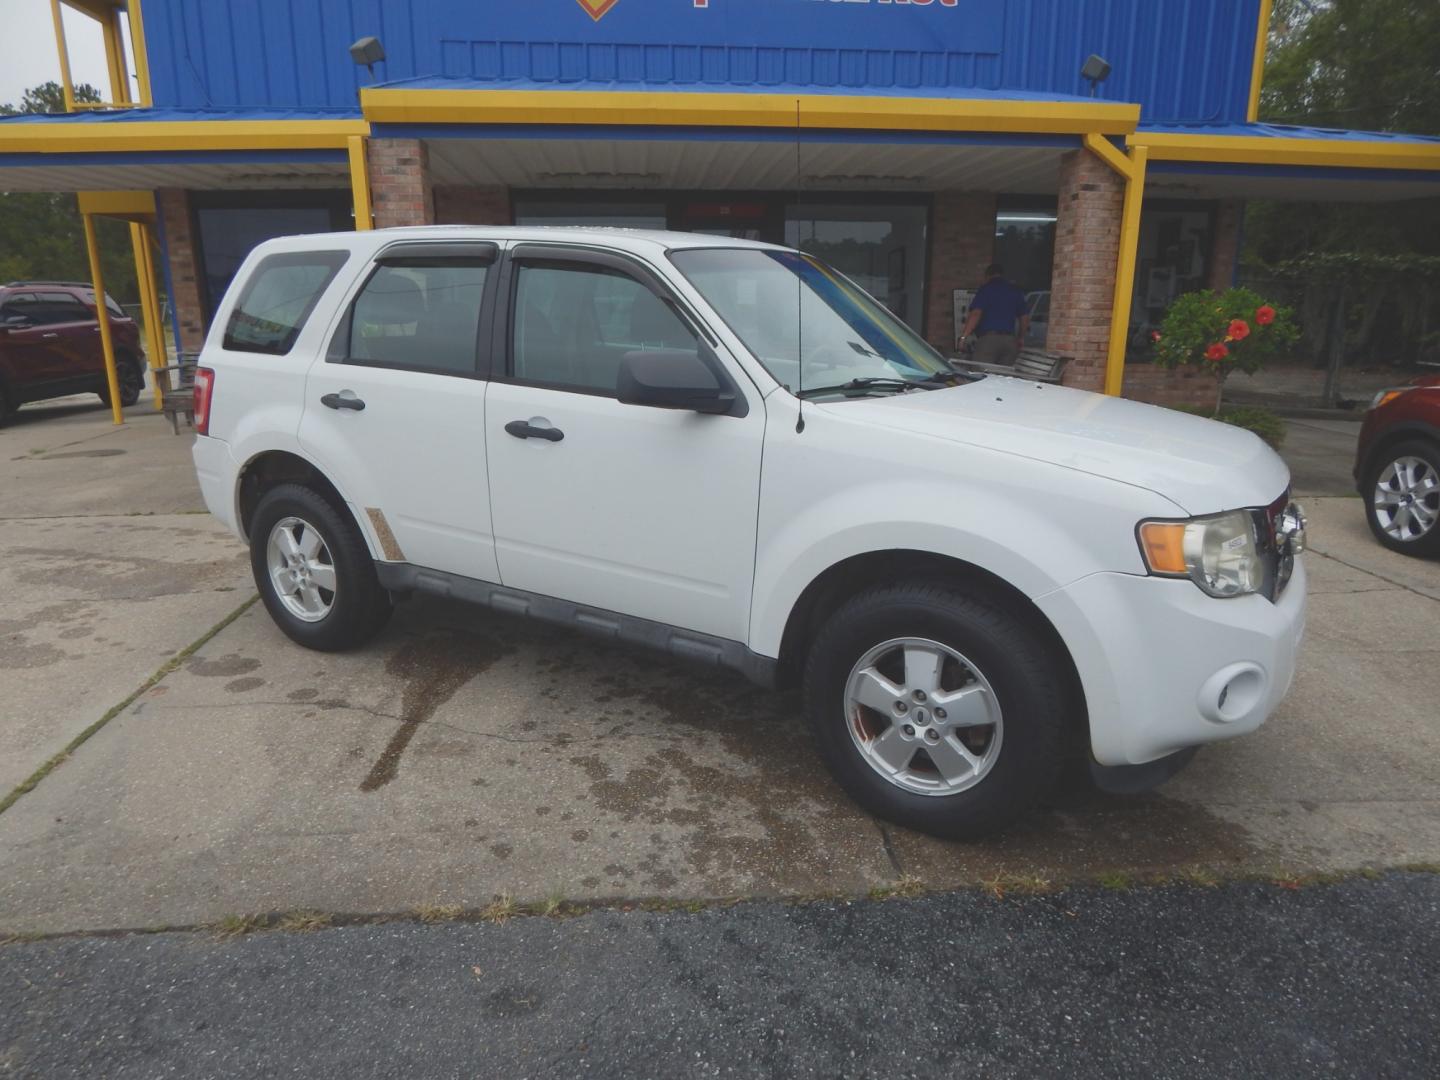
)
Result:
{"points": [[799, 284]]}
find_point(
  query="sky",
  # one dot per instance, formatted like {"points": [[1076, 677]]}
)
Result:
{"points": [[27, 49]]}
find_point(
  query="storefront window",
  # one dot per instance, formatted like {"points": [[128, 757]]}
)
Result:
{"points": [[594, 214], [1025, 247], [1173, 258], [879, 246]]}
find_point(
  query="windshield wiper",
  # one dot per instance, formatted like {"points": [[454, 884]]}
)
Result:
{"points": [[932, 382]]}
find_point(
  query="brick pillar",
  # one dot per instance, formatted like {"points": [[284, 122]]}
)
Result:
{"points": [[472, 206], [962, 244], [1082, 292], [1225, 251], [173, 206], [400, 183]]}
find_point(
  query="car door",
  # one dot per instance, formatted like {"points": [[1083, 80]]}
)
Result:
{"points": [[649, 512], [79, 355], [32, 349], [394, 412]]}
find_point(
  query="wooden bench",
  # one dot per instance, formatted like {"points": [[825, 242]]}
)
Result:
{"points": [[1035, 365], [177, 391]]}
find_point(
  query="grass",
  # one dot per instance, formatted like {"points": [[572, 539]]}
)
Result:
{"points": [[907, 886], [29, 783], [438, 913], [1115, 880], [502, 910], [1003, 885], [301, 922], [233, 926]]}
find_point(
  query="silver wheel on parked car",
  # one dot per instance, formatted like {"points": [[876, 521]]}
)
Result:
{"points": [[1407, 499], [302, 570], [923, 716]]}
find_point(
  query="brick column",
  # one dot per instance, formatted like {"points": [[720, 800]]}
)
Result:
{"points": [[173, 206], [400, 183], [1087, 239], [472, 206], [1225, 251], [962, 244]]}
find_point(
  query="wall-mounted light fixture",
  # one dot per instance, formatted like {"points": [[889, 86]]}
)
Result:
{"points": [[1095, 71], [368, 51]]}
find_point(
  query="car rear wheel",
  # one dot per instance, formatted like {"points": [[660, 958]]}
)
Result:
{"points": [[1403, 498], [130, 378], [314, 572], [936, 709]]}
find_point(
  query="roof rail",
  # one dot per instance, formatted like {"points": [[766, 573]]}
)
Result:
{"points": [[67, 284]]}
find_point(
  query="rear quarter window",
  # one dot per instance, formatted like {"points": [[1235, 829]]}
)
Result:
{"points": [[278, 298]]}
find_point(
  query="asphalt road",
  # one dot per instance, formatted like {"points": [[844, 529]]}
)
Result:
{"points": [[1243, 980]]}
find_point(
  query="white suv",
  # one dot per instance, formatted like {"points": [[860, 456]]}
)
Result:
{"points": [[729, 451]]}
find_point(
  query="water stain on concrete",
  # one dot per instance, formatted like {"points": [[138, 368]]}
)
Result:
{"points": [[307, 694], [240, 686], [83, 454], [514, 1001], [431, 668], [226, 666]]}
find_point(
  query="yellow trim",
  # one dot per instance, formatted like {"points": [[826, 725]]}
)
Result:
{"points": [[67, 87], [115, 62], [1106, 151], [118, 204], [1263, 150], [1257, 71], [140, 54], [144, 135], [144, 280], [1125, 272], [703, 109], [102, 315], [360, 183]]}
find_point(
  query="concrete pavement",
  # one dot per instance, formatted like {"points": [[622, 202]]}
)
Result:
{"points": [[465, 756]]}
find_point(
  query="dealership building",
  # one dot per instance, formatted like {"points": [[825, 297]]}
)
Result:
{"points": [[909, 142]]}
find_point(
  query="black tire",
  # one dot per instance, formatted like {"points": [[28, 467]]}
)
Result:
{"points": [[6, 408], [1426, 542], [130, 378], [1027, 683], [358, 606]]}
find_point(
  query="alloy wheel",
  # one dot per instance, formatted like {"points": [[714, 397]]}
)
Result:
{"points": [[1407, 499], [302, 570]]}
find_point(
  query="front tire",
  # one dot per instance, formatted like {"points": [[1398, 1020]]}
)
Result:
{"points": [[314, 572], [130, 378], [1403, 498], [937, 710]]}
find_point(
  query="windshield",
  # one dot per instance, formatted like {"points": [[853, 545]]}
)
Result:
{"points": [[812, 328]]}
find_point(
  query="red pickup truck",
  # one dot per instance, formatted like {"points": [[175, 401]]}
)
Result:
{"points": [[50, 345]]}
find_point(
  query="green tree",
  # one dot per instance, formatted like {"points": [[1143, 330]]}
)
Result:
{"points": [[41, 237]]}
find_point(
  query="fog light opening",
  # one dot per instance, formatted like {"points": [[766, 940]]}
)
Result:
{"points": [[1232, 693]]}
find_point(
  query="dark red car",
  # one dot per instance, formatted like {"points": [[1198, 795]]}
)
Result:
{"points": [[50, 345], [1397, 466]]}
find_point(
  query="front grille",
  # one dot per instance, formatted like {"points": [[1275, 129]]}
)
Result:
{"points": [[1277, 553]]}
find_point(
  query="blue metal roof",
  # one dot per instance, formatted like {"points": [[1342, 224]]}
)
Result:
{"points": [[1287, 131]]}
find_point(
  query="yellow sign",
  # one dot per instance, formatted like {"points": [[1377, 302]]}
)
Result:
{"points": [[598, 8]]}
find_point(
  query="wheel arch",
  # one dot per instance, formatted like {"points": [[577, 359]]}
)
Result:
{"points": [[271, 467], [1405, 431], [842, 580]]}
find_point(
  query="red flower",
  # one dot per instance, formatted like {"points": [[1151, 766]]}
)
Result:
{"points": [[1239, 330], [1154, 335], [1217, 352], [1265, 315]]}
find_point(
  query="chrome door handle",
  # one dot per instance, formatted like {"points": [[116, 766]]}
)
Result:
{"points": [[49, 335]]}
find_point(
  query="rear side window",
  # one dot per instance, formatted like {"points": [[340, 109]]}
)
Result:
{"points": [[421, 314], [278, 298]]}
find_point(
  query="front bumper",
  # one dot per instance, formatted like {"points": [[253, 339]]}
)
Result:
{"points": [[215, 469], [1165, 667]]}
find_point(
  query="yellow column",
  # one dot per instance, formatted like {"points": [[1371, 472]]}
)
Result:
{"points": [[1257, 70], [1125, 271], [66, 86], [102, 314], [360, 183], [140, 244]]}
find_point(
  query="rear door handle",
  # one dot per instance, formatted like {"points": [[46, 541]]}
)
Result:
{"points": [[47, 336], [525, 429], [340, 401]]}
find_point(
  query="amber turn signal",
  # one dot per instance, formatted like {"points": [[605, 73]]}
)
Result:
{"points": [[1164, 545]]}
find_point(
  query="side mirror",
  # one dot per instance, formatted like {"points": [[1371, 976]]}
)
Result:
{"points": [[671, 379]]}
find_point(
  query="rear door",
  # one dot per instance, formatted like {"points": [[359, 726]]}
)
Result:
{"points": [[395, 413], [649, 512]]}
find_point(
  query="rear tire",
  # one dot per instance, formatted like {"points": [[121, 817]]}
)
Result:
{"points": [[130, 378], [1402, 498], [937, 710], [314, 572]]}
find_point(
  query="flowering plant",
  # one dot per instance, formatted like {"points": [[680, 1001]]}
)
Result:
{"points": [[1222, 332]]}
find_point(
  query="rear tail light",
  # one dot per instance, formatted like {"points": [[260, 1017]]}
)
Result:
{"points": [[204, 391]]}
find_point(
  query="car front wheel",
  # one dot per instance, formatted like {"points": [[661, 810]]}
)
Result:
{"points": [[1403, 498], [937, 709], [314, 572], [130, 380]]}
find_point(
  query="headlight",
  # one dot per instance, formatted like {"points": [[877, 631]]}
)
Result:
{"points": [[1218, 553], [1387, 395]]}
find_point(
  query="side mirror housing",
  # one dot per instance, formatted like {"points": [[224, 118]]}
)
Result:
{"points": [[672, 379]]}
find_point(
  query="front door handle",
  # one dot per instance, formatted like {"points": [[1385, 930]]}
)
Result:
{"points": [[47, 337], [524, 429], [341, 401]]}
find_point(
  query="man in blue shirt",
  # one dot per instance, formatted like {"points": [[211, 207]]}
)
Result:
{"points": [[999, 319]]}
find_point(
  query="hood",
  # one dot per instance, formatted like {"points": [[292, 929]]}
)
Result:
{"points": [[1203, 466]]}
